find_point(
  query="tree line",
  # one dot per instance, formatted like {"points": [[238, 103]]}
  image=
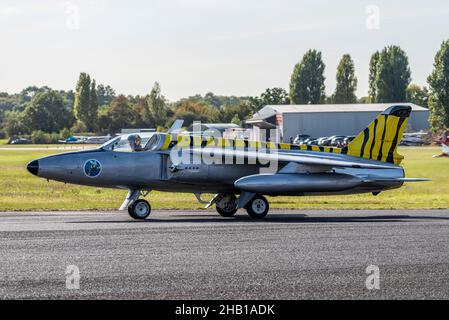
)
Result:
{"points": [[389, 82], [92, 108]]}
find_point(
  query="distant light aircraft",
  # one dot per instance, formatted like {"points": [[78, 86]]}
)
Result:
{"points": [[235, 170], [444, 153], [86, 140]]}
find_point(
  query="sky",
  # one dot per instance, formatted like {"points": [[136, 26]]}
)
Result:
{"points": [[228, 47]]}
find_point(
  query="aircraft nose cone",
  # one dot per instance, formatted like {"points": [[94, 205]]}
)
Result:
{"points": [[33, 167]]}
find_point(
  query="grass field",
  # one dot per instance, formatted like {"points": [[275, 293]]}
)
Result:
{"points": [[22, 191], [3, 145]]}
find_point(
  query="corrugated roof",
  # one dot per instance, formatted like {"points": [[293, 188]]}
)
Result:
{"points": [[302, 108]]}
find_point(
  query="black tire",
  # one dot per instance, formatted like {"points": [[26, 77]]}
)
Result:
{"points": [[140, 209], [258, 207], [230, 207], [226, 213]]}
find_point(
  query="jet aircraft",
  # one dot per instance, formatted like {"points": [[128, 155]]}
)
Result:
{"points": [[239, 172]]}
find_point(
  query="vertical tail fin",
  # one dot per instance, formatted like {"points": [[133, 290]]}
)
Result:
{"points": [[380, 139]]}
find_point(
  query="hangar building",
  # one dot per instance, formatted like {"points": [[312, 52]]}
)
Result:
{"points": [[328, 119]]}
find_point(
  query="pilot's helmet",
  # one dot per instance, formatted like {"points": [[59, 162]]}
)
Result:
{"points": [[135, 142], [138, 140]]}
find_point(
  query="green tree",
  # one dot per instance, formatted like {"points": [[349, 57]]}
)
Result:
{"points": [[82, 98], [228, 112], [346, 81], [105, 94], [307, 80], [157, 105], [212, 99], [364, 100], [47, 112], [28, 93], [191, 111], [274, 96], [439, 89], [40, 137], [392, 76], [13, 124], [144, 118], [92, 112], [236, 120], [418, 95], [116, 117], [65, 133], [372, 92]]}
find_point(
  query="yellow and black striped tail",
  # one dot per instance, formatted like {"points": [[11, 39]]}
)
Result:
{"points": [[380, 140]]}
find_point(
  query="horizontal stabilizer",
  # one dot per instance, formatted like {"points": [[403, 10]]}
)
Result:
{"points": [[414, 179], [397, 180]]}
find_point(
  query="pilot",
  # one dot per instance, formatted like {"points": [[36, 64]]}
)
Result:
{"points": [[135, 142]]}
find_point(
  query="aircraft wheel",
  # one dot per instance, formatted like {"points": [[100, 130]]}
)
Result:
{"points": [[140, 209], [226, 212], [227, 207], [258, 207]]}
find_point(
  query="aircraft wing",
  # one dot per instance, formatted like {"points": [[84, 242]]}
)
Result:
{"points": [[313, 159]]}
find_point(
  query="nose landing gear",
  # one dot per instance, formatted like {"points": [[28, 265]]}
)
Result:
{"points": [[140, 209], [226, 205], [137, 208]]}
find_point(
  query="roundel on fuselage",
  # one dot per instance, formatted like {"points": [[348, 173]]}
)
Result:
{"points": [[92, 168]]}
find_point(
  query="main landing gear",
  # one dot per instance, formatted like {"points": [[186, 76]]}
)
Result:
{"points": [[258, 207], [226, 206]]}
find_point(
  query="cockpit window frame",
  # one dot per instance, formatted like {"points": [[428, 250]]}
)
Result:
{"points": [[146, 138], [155, 145]]}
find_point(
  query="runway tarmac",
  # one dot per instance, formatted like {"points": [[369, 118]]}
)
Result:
{"points": [[199, 255]]}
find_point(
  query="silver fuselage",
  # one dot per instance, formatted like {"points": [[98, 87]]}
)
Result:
{"points": [[152, 170]]}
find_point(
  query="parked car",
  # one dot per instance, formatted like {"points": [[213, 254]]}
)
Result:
{"points": [[313, 142], [20, 141], [323, 141], [414, 139], [337, 141], [348, 140], [305, 142], [300, 138]]}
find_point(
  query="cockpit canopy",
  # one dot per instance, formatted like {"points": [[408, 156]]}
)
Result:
{"points": [[136, 142]]}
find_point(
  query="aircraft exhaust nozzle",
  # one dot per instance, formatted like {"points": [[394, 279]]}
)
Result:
{"points": [[293, 183], [33, 167]]}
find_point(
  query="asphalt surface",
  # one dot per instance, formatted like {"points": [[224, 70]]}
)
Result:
{"points": [[199, 255]]}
